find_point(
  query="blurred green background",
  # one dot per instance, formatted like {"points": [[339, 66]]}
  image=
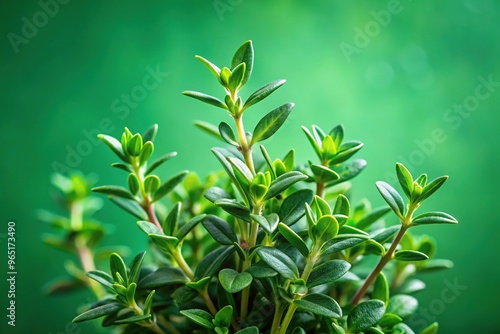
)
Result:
{"points": [[395, 73]]}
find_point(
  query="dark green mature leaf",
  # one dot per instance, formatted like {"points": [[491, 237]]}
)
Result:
{"points": [[342, 207], [227, 134], [402, 305], [385, 234], [279, 261], [165, 242], [220, 230], [299, 330], [392, 198], [135, 318], [431, 329], [348, 170], [294, 239], [373, 247], [235, 208], [170, 224], [161, 277], [150, 133], [410, 255], [293, 207], [284, 182], [148, 227], [169, 185], [205, 98], [215, 193], [212, 262], [434, 265], [261, 270], [327, 272], [98, 311], [117, 266], [115, 146], [202, 318], [270, 123], [223, 319], [188, 226], [135, 267], [381, 288], [372, 217], [320, 304], [433, 217], [269, 222], [233, 281], [101, 277], [263, 92], [326, 229], [365, 315], [432, 187], [341, 242], [158, 162], [131, 206], [249, 330], [389, 320], [244, 54], [211, 67], [113, 191], [405, 179]]}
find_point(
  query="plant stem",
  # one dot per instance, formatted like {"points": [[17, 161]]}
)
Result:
{"points": [[182, 264], [320, 189], [278, 313], [208, 301], [87, 261], [381, 264], [150, 210], [246, 150]]}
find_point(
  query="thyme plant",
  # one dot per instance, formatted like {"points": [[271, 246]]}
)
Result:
{"points": [[268, 245]]}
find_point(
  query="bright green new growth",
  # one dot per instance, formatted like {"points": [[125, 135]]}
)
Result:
{"points": [[266, 246]]}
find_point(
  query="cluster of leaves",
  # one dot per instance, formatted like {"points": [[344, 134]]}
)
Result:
{"points": [[266, 246]]}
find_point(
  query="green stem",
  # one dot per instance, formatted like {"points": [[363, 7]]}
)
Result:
{"points": [[381, 264], [87, 261], [246, 150], [278, 314], [320, 189], [208, 301], [150, 210], [182, 264]]}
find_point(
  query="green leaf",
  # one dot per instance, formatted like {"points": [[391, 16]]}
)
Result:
{"points": [[149, 302], [411, 286], [381, 289], [114, 191], [315, 143], [410, 255], [161, 277], [151, 184], [135, 318], [385, 234], [299, 330], [327, 272], [261, 270], [365, 315], [279, 261], [270, 123], [405, 179], [422, 180], [372, 217], [293, 207], [263, 92], [269, 223], [131, 292], [284, 182], [320, 304], [392, 198], [220, 230], [237, 76], [233, 281], [200, 317], [158, 162], [98, 312], [170, 224], [101, 277], [294, 239], [115, 146], [249, 330], [150, 133], [117, 266], [146, 152], [148, 227], [212, 262], [134, 145], [348, 170], [324, 173], [227, 134], [433, 217], [223, 317], [211, 67], [341, 242], [337, 134], [206, 98], [431, 329], [338, 329], [235, 208], [328, 148], [346, 151], [121, 166], [135, 267], [188, 226], [402, 305], [434, 265], [342, 207], [326, 229], [244, 54], [208, 128], [165, 242], [133, 183], [389, 320], [169, 185], [373, 247]]}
